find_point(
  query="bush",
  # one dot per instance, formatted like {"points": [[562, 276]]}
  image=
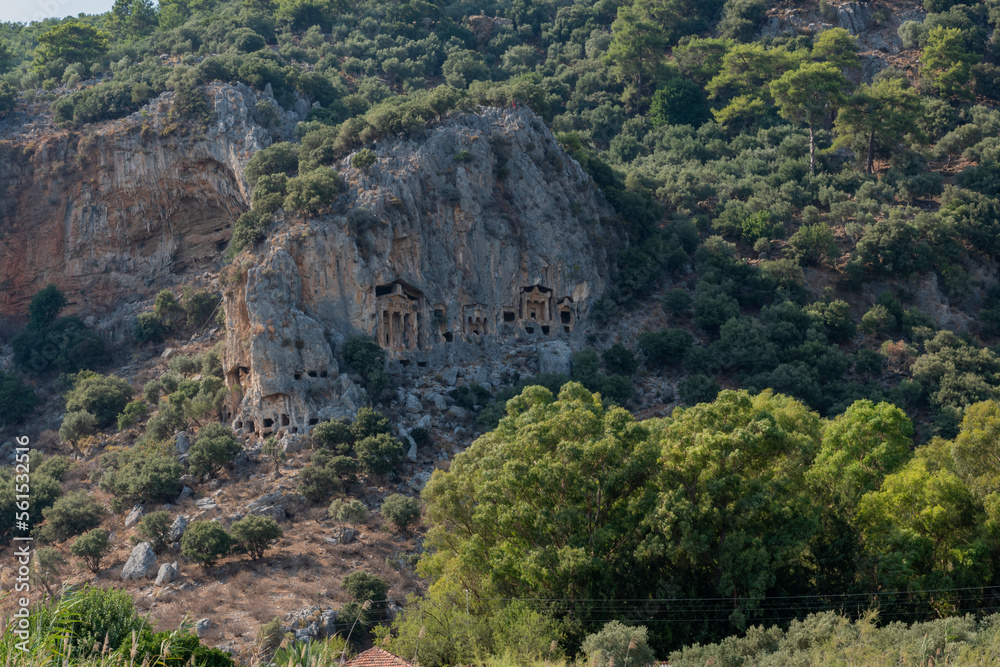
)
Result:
{"points": [[367, 360], [92, 547], [205, 542], [104, 396], [103, 616], [401, 511], [144, 479], [677, 301], [664, 348], [713, 308], [282, 157], [199, 307], [65, 345], [350, 512], [184, 650], [133, 412], [877, 321], [216, 447], [698, 388], [363, 159], [618, 644], [72, 514], [812, 244], [363, 586], [148, 328], [379, 454], [617, 388], [335, 434], [321, 478], [254, 534], [155, 529], [17, 398], [76, 426], [368, 423], [314, 191], [619, 360]]}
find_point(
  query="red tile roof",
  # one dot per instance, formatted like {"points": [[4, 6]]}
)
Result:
{"points": [[377, 657]]}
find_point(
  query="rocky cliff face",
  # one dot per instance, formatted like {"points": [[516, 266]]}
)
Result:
{"points": [[115, 213], [457, 245]]}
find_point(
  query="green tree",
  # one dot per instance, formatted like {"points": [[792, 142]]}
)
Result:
{"points": [[379, 454], [273, 450], [155, 529], [807, 96], [47, 561], [369, 422], [878, 114], [132, 19], [734, 517], [205, 542], [92, 547], [104, 396], [309, 193], [45, 306], [924, 530], [216, 447], [17, 398], [636, 50], [7, 58], [976, 453], [72, 514], [72, 42], [539, 506], [860, 447], [401, 511], [255, 534], [837, 47], [363, 586], [743, 83], [946, 62], [619, 644], [345, 512]]}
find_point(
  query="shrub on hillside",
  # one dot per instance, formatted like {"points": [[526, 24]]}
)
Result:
{"points": [[205, 542], [17, 398], [367, 360], [401, 511], [216, 447], [92, 547], [105, 396], [72, 514], [335, 435], [379, 454], [155, 529], [143, 478], [254, 534]]}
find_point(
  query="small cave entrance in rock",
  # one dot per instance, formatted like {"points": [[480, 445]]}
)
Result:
{"points": [[565, 307], [298, 376], [398, 305], [239, 425], [313, 421], [268, 423], [323, 374], [294, 429], [312, 374], [404, 362], [449, 337], [509, 315], [545, 329], [422, 364], [284, 420], [529, 329]]}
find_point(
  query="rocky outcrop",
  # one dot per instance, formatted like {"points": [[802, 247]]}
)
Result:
{"points": [[141, 562], [114, 213], [478, 234]]}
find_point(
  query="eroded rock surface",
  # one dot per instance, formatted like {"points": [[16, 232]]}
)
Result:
{"points": [[479, 234]]}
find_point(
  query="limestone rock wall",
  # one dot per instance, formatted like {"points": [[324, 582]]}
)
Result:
{"points": [[114, 213], [480, 233]]}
